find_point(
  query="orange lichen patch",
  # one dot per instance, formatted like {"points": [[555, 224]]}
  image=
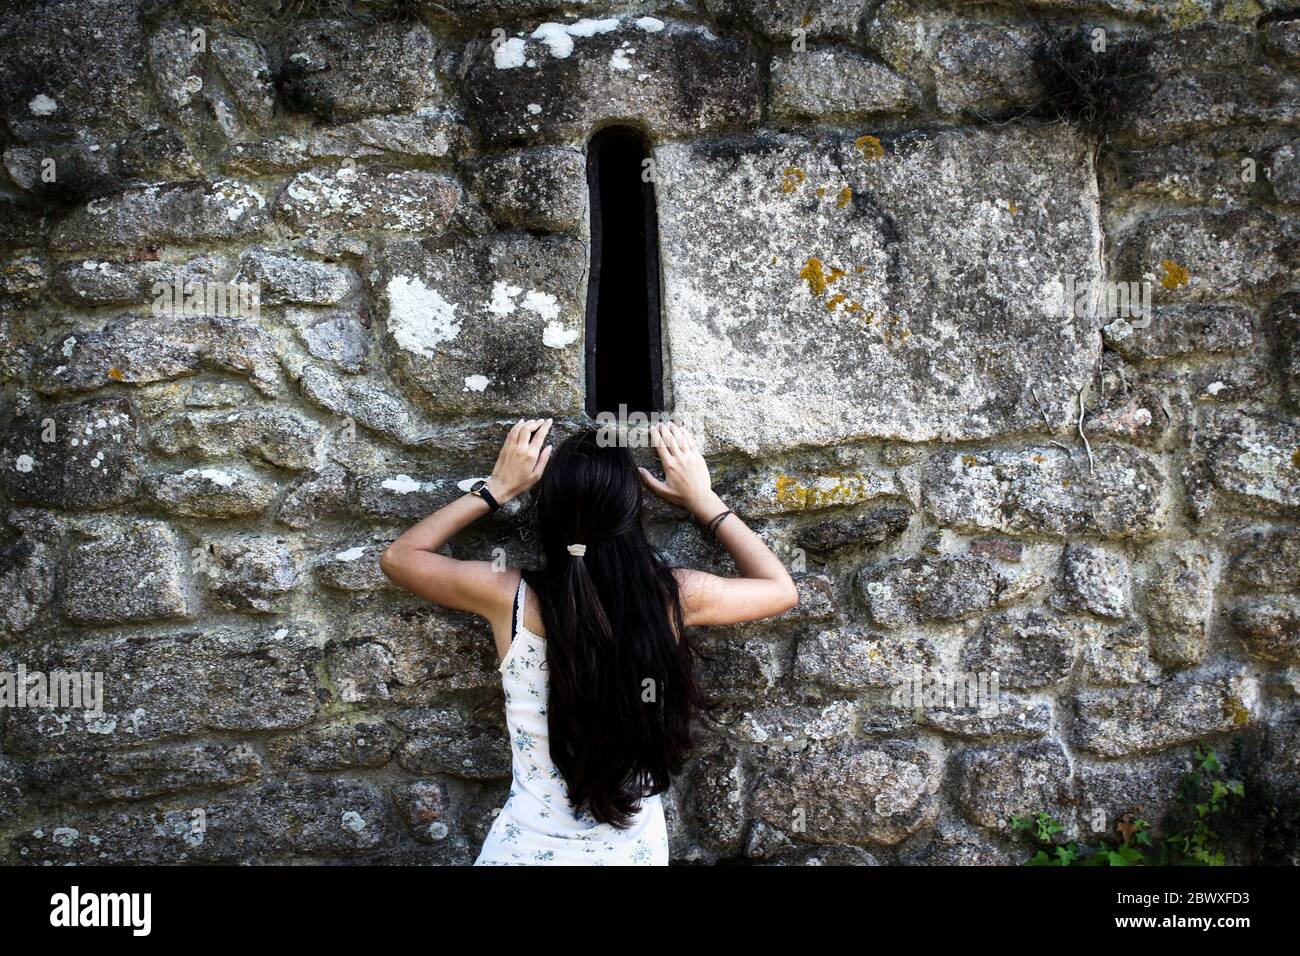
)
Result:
{"points": [[1236, 711], [853, 307], [845, 197], [794, 178], [1175, 275], [834, 274], [904, 335], [1039, 459], [812, 274], [825, 492], [870, 146], [835, 300], [806, 20], [1065, 482], [1295, 458], [821, 192], [117, 375], [970, 461], [1012, 208]]}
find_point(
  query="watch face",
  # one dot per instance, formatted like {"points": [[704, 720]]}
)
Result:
{"points": [[477, 486]]}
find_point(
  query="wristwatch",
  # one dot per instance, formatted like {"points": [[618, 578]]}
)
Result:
{"points": [[480, 488]]}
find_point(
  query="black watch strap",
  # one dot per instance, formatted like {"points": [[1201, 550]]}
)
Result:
{"points": [[480, 488]]}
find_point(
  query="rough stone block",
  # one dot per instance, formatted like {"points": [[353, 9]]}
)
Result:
{"points": [[1039, 490], [832, 84], [782, 254], [251, 573], [854, 793], [344, 744], [182, 213], [1177, 598], [27, 578], [451, 740], [139, 350], [367, 197], [93, 282], [1270, 628], [337, 69], [851, 658], [91, 461], [209, 492], [924, 589], [1176, 331], [270, 821], [1130, 720], [865, 530], [1095, 580], [1267, 559], [487, 327], [284, 278], [1116, 655], [543, 189], [61, 66], [277, 437], [354, 568], [996, 784], [173, 685], [1208, 256], [1024, 648], [560, 82], [1254, 458], [123, 571], [95, 776]]}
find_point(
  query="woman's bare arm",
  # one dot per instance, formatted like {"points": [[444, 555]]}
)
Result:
{"points": [[412, 561], [764, 587]]}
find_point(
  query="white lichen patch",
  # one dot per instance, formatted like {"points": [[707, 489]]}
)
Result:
{"points": [[353, 821], [419, 318], [476, 383], [24, 463], [558, 37], [503, 298], [589, 28], [216, 476], [351, 554], [650, 24], [556, 335], [542, 303], [402, 484], [619, 61], [42, 105], [509, 55]]}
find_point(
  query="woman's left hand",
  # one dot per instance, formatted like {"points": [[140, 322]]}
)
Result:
{"points": [[522, 459]]}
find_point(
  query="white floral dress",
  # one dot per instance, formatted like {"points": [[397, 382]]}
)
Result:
{"points": [[538, 825]]}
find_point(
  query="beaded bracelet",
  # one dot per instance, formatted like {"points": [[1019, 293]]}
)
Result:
{"points": [[713, 525]]}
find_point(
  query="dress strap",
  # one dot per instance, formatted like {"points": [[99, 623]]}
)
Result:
{"points": [[519, 609]]}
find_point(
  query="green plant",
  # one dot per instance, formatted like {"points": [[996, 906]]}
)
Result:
{"points": [[1204, 795], [1124, 850]]}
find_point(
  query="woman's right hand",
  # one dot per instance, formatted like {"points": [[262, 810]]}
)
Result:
{"points": [[686, 474]]}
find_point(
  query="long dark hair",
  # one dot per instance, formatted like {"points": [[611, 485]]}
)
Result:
{"points": [[622, 687]]}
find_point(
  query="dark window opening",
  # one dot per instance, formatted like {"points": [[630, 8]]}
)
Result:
{"points": [[624, 358]]}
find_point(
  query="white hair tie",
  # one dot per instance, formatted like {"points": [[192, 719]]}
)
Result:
{"points": [[577, 550]]}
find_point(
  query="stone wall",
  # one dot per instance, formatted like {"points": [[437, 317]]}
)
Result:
{"points": [[868, 215]]}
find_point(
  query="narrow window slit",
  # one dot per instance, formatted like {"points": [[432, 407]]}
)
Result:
{"points": [[624, 357]]}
